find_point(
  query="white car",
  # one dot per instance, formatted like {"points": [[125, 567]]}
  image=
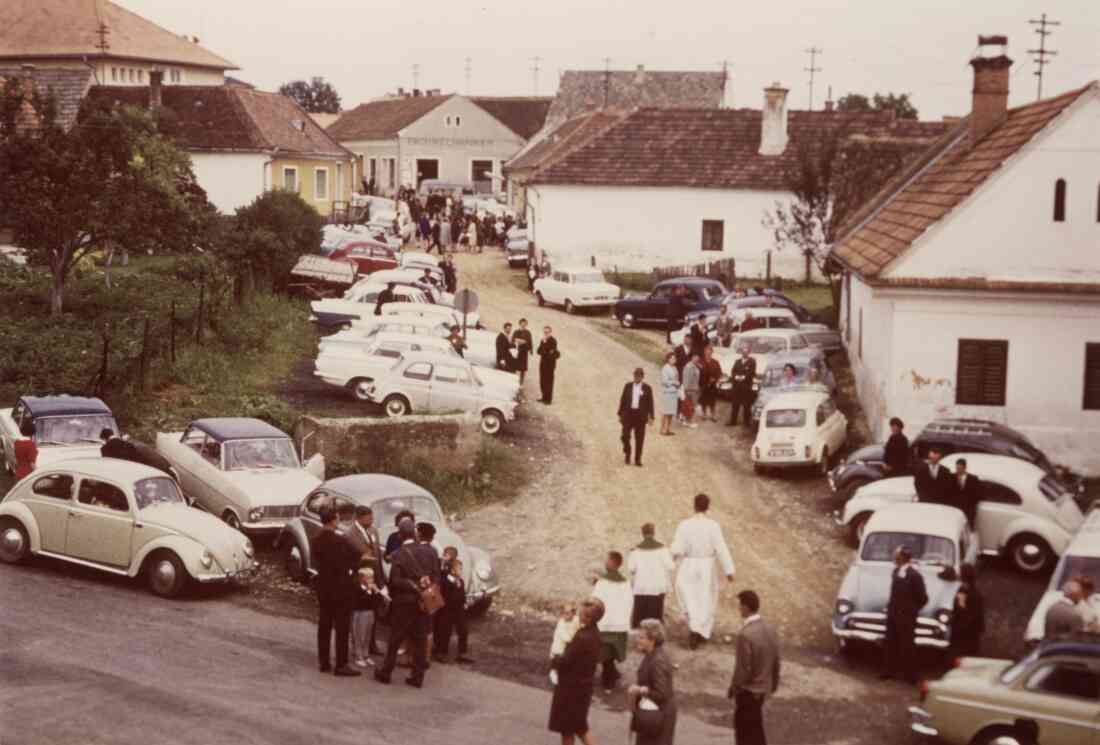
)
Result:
{"points": [[242, 470], [1023, 513], [800, 428], [762, 318], [65, 427], [1082, 557], [576, 288], [763, 344], [438, 313], [360, 302], [413, 276], [480, 343]]}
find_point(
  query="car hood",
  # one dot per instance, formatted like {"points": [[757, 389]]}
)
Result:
{"points": [[225, 543], [869, 585], [49, 454], [273, 487]]}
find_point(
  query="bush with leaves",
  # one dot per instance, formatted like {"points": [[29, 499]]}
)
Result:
{"points": [[266, 238]]}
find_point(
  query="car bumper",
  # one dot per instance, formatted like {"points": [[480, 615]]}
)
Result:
{"points": [[264, 527], [240, 576], [921, 723], [876, 637]]}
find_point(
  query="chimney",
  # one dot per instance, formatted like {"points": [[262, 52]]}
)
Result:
{"points": [[773, 123], [639, 75], [400, 92], [989, 105], [829, 105], [156, 79], [416, 93]]}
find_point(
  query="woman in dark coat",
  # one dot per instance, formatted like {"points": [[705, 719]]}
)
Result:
{"points": [[654, 682], [525, 343], [969, 615], [576, 669]]}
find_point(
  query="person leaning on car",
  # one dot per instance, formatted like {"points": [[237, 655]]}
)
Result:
{"points": [[907, 597], [337, 564], [896, 460]]}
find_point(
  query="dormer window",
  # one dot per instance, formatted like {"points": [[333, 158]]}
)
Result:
{"points": [[1060, 200]]}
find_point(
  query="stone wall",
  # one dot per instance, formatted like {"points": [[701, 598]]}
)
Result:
{"points": [[371, 442]]}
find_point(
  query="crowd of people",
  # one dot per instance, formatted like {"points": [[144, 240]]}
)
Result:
{"points": [[439, 221]]}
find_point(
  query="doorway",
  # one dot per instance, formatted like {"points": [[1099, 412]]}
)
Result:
{"points": [[426, 168]]}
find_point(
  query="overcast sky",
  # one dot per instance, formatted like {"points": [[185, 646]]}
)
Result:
{"points": [[369, 48]]}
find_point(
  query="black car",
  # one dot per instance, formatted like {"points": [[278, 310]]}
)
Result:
{"points": [[953, 436], [699, 294]]}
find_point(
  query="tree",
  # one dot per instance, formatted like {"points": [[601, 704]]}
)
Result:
{"points": [[316, 96], [854, 102], [110, 181], [899, 103]]}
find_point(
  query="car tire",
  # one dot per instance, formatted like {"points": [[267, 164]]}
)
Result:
{"points": [[396, 406], [1030, 554], [293, 561], [15, 543], [991, 735], [626, 321], [232, 520], [569, 307], [859, 522], [165, 574], [358, 388], [539, 298], [492, 422]]}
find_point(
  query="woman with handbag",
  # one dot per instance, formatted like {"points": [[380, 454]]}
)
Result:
{"points": [[653, 699], [575, 669]]}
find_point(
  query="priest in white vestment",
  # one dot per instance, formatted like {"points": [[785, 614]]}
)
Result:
{"points": [[702, 551]]}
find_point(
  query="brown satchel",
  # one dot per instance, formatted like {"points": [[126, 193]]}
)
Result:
{"points": [[431, 597]]}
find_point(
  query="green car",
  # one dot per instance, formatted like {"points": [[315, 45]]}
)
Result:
{"points": [[1056, 687]]}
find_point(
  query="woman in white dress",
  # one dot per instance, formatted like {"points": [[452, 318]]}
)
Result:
{"points": [[670, 393]]}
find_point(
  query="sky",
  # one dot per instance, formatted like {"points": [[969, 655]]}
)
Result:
{"points": [[368, 48]]}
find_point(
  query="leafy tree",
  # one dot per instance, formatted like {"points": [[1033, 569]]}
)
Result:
{"points": [[854, 102], [899, 103], [110, 181], [317, 96]]}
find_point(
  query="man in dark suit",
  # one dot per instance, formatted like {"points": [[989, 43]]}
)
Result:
{"points": [[757, 673], [934, 484], [907, 597], [966, 491], [386, 296], [406, 573], [548, 363], [635, 412], [896, 456], [742, 375], [504, 348], [337, 563]]}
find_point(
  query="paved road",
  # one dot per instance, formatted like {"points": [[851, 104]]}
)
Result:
{"points": [[87, 659]]}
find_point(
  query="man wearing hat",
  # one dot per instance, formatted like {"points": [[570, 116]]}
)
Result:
{"points": [[405, 614], [337, 563]]}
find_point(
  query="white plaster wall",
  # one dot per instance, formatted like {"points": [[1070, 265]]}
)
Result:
{"points": [[231, 180], [869, 356]]}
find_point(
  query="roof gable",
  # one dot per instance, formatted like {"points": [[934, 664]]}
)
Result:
{"points": [[524, 115], [382, 120], [67, 85], [564, 139]]}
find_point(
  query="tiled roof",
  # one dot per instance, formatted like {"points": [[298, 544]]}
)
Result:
{"points": [[937, 183], [382, 120], [67, 85], [585, 90], [230, 118], [37, 29], [989, 285], [524, 115], [563, 140], [714, 148]]}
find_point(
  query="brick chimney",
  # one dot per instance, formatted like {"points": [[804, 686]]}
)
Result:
{"points": [[773, 123], [989, 105], [156, 81]]}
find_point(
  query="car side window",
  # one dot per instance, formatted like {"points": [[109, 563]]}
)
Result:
{"points": [[798, 341], [194, 439], [17, 414], [58, 486], [999, 494], [1065, 679], [419, 371], [102, 494], [317, 500], [445, 374], [662, 292]]}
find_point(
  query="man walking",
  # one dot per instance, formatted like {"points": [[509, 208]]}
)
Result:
{"points": [[406, 624], [757, 673], [897, 449], [337, 564], [907, 597], [635, 412], [743, 375], [548, 362], [933, 482], [649, 565], [699, 544]]}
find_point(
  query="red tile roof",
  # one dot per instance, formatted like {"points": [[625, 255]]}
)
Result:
{"points": [[68, 86], [563, 140], [382, 120], [937, 183], [524, 115], [580, 91], [988, 285]]}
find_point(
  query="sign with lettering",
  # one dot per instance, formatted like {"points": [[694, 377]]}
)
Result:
{"points": [[447, 142]]}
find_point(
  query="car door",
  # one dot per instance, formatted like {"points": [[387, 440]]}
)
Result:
{"points": [[452, 389], [198, 464], [998, 506], [656, 307], [52, 496], [101, 524], [1063, 698], [416, 384]]}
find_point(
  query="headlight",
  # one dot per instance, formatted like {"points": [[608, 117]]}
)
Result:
{"points": [[255, 514], [249, 551], [207, 559], [943, 616], [844, 607], [483, 571]]}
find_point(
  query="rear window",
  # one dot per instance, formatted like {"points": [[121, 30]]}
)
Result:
{"points": [[785, 418], [712, 291]]}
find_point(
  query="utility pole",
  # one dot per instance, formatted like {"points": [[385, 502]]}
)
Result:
{"points": [[102, 32], [812, 69], [606, 80], [1042, 52], [725, 80], [535, 72], [468, 69], [416, 77]]}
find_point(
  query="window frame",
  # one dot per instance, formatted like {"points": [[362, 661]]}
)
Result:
{"points": [[317, 195], [297, 184], [708, 242], [55, 476], [985, 347], [1060, 189], [1061, 694], [425, 378], [109, 509]]}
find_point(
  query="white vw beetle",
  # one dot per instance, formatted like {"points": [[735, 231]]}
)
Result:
{"points": [[1023, 513], [120, 517], [800, 428], [243, 470], [572, 289]]}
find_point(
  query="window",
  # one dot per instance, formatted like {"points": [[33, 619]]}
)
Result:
{"points": [[1060, 200], [860, 339], [445, 374], [481, 170], [316, 501], [982, 374], [1066, 679], [458, 121], [338, 189], [101, 494], [449, 120], [372, 165], [290, 179], [713, 233], [998, 493], [114, 74], [419, 371], [1092, 376], [194, 439], [141, 76], [392, 166], [57, 486], [320, 184], [131, 74]]}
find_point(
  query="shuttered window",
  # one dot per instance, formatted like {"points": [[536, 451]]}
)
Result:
{"points": [[982, 373], [1092, 376], [713, 231]]}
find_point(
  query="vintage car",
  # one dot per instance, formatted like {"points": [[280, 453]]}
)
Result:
{"points": [[405, 311], [950, 436], [1023, 512], [1055, 689], [575, 289], [699, 293], [120, 517], [334, 237], [369, 256], [360, 302], [480, 343], [810, 368], [65, 427], [517, 251], [386, 496], [799, 429], [427, 382], [413, 277], [940, 542], [1081, 558], [764, 344], [242, 470], [744, 319]]}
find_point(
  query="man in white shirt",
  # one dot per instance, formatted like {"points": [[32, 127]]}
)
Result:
{"points": [[635, 412], [613, 590], [649, 565], [699, 544]]}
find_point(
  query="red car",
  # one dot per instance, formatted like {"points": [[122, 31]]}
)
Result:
{"points": [[368, 256]]}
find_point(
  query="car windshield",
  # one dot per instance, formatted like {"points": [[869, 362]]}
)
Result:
{"points": [[785, 418], [773, 376], [712, 291], [587, 279], [1053, 489], [159, 490], [244, 455], [72, 430], [425, 509], [1075, 566], [762, 344], [925, 549]]}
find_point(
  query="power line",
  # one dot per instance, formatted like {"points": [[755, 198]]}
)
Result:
{"points": [[535, 72], [812, 69], [1042, 52]]}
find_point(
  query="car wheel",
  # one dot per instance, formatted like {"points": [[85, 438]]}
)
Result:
{"points": [[166, 574], [395, 406], [294, 562], [232, 520], [569, 307], [1030, 553], [538, 296], [15, 544], [994, 736], [627, 321], [492, 422], [859, 524], [358, 388]]}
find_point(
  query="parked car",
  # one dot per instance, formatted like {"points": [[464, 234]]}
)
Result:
{"points": [[766, 344], [412, 277], [1023, 513], [407, 311], [360, 302], [65, 427], [369, 256], [1081, 558], [431, 382], [701, 293], [951, 436], [938, 538], [242, 470], [576, 288], [120, 517], [386, 496], [480, 343], [744, 320], [810, 368], [334, 237], [979, 702], [517, 251], [799, 429]]}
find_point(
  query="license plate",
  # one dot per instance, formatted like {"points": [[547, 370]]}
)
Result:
{"points": [[781, 452]]}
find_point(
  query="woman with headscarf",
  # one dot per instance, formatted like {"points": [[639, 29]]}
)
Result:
{"points": [[669, 399], [653, 698], [576, 668]]}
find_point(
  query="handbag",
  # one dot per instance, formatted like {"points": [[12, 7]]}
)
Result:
{"points": [[648, 720], [431, 597]]}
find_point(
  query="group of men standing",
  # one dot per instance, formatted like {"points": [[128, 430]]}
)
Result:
{"points": [[513, 348]]}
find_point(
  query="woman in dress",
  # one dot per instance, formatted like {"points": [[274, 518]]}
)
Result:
{"points": [[670, 393], [654, 687], [524, 344], [576, 668], [708, 381]]}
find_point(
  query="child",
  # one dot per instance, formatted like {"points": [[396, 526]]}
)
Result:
{"points": [[618, 599], [367, 601], [453, 613], [566, 628]]}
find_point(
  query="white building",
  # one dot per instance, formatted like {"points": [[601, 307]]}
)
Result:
{"points": [[973, 281]]}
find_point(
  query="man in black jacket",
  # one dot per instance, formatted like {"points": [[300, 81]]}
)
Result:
{"points": [[965, 491], [548, 363], [934, 484], [742, 375], [406, 574], [896, 456], [337, 563], [504, 348], [386, 296], [635, 412], [907, 597]]}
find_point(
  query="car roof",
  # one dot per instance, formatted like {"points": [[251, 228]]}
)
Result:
{"points": [[63, 405], [970, 427], [580, 269], [428, 355], [1078, 645], [792, 356], [237, 428], [114, 469], [765, 311], [930, 519], [363, 487], [769, 332], [385, 336], [997, 467], [688, 281]]}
